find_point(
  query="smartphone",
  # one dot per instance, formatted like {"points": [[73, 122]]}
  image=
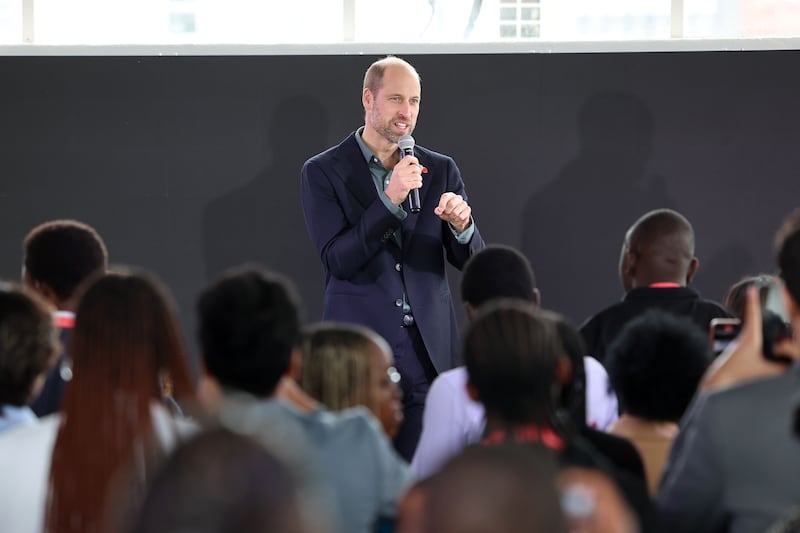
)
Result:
{"points": [[723, 332]]}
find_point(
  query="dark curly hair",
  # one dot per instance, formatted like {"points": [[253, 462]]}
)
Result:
{"points": [[28, 343], [249, 324], [656, 363]]}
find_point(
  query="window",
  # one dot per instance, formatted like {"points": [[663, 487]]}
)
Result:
{"points": [[289, 22]]}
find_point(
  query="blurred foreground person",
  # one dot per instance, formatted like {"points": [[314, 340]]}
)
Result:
{"points": [[28, 349], [113, 422], [221, 482], [499, 489]]}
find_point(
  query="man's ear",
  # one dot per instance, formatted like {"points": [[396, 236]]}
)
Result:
{"points": [[295, 363], [627, 269], [537, 298], [43, 289], [472, 392], [366, 98], [693, 264]]}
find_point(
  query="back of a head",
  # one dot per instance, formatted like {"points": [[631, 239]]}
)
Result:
{"points": [[656, 363], [28, 343], [336, 364], [787, 251], [221, 481], [62, 254], [497, 271], [249, 325], [511, 353], [735, 297], [126, 337], [662, 242], [573, 392], [496, 489], [126, 333]]}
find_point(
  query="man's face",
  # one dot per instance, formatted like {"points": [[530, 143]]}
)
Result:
{"points": [[392, 111]]}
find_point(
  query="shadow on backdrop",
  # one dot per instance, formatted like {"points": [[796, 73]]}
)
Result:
{"points": [[718, 272], [573, 227], [262, 221]]}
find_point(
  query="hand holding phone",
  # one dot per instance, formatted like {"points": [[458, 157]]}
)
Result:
{"points": [[743, 360]]}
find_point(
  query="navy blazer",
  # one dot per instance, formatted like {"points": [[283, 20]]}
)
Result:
{"points": [[364, 266]]}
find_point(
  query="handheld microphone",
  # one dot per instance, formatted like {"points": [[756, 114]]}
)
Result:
{"points": [[406, 144]]}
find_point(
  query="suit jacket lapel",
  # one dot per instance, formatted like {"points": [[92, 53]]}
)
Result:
{"points": [[354, 172]]}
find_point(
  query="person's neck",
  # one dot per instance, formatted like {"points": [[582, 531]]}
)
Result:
{"points": [[632, 425], [384, 150]]}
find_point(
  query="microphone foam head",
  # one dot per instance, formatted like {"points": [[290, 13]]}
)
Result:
{"points": [[406, 142]]}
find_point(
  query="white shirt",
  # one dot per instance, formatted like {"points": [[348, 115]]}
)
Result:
{"points": [[25, 453], [452, 420]]}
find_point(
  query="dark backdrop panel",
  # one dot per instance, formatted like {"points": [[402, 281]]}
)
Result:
{"points": [[189, 165]]}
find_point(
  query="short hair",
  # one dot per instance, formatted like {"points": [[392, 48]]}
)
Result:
{"points": [[511, 353], [497, 271], [28, 343], [656, 363], [373, 78], [221, 481], [336, 364], [787, 252], [249, 324], [510, 488], [654, 226], [63, 254]]}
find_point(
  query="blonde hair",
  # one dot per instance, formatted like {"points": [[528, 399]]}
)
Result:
{"points": [[337, 364]]}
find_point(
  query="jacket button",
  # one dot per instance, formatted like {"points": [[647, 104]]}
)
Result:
{"points": [[399, 302], [398, 267]]}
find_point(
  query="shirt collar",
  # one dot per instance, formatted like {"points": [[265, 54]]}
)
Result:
{"points": [[365, 151]]}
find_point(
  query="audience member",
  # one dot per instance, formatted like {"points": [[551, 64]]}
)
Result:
{"points": [[249, 329], [113, 420], [657, 263], [59, 255], [220, 482], [736, 295], [346, 365], [502, 489], [655, 365], [733, 466], [452, 420], [28, 349], [514, 361]]}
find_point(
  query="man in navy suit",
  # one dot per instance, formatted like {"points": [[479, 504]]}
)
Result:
{"points": [[384, 265]]}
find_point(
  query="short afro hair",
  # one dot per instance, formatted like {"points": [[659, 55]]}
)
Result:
{"points": [[656, 363], [63, 254], [497, 271], [249, 324]]}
